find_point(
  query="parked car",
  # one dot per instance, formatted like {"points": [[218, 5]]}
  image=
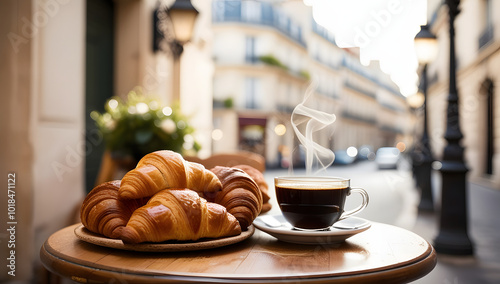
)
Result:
{"points": [[387, 157], [366, 153], [345, 157]]}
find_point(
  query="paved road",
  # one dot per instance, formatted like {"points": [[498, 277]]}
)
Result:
{"points": [[393, 200]]}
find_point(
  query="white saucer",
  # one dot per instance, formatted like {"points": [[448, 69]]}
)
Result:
{"points": [[278, 227]]}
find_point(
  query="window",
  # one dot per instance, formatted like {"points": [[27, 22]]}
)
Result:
{"points": [[250, 94], [487, 34], [232, 10], [489, 13], [267, 13], [251, 11], [250, 50], [488, 85]]}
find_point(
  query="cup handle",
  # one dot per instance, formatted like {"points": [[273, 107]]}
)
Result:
{"points": [[364, 195]]}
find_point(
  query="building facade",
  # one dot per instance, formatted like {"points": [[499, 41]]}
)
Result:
{"points": [[477, 44], [266, 53], [60, 60]]}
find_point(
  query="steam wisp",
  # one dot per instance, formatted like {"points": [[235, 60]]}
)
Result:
{"points": [[314, 121]]}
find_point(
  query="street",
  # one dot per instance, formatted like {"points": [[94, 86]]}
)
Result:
{"points": [[394, 200], [392, 193]]}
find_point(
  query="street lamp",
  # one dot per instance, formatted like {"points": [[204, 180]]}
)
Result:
{"points": [[426, 47], [182, 16], [416, 100], [453, 236]]}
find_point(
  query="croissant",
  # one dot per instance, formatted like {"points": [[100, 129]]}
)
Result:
{"points": [[259, 179], [166, 169], [102, 212], [179, 214], [240, 194]]}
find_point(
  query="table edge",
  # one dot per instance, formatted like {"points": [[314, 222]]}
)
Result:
{"points": [[81, 273]]}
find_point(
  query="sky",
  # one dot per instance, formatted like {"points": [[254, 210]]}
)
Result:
{"points": [[384, 30]]}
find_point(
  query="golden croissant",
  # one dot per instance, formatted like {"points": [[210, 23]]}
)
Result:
{"points": [[166, 169], [259, 179], [179, 214], [103, 212], [240, 194]]}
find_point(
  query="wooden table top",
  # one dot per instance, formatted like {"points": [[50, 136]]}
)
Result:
{"points": [[383, 253]]}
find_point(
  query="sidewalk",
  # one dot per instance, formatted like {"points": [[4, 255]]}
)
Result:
{"points": [[484, 231]]}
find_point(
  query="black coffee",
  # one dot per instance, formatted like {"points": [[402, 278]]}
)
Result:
{"points": [[311, 208]]}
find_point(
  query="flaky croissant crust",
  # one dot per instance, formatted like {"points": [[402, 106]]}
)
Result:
{"points": [[103, 212], [240, 194], [179, 214], [167, 169], [259, 179]]}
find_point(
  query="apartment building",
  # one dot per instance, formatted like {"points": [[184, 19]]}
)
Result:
{"points": [[266, 54]]}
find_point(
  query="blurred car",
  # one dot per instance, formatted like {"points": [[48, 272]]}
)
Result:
{"points": [[387, 157], [345, 157], [366, 153]]}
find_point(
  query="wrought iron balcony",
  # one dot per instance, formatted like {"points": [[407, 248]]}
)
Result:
{"points": [[389, 128], [355, 116], [257, 13], [359, 90], [322, 32]]}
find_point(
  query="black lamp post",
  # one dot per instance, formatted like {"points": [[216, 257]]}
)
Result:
{"points": [[453, 236], [426, 50], [182, 16]]}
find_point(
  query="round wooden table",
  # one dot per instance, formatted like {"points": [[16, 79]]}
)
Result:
{"points": [[383, 253]]}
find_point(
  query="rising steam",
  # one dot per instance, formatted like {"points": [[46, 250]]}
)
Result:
{"points": [[311, 121]]}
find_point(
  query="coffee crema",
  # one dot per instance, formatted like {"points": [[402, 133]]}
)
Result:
{"points": [[309, 207]]}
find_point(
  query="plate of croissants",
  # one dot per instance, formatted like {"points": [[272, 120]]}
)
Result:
{"points": [[169, 204]]}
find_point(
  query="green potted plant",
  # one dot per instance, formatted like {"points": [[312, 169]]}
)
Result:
{"points": [[141, 124]]}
